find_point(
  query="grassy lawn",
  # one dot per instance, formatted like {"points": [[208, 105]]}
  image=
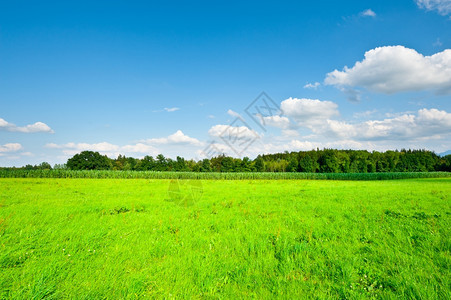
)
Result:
{"points": [[123, 238]]}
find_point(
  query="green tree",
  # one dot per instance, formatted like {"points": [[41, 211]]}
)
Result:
{"points": [[306, 164], [180, 165], [227, 164], [147, 163], [329, 162], [44, 166], [60, 167], [89, 160], [161, 163], [205, 166], [292, 165], [259, 164], [245, 164]]}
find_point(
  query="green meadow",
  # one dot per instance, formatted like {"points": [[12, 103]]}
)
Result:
{"points": [[131, 238]]}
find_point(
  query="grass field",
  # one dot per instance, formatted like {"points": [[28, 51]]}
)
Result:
{"points": [[124, 238]]}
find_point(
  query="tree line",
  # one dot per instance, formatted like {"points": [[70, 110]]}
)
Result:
{"points": [[314, 161]]}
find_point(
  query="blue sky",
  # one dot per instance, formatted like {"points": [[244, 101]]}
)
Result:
{"points": [[142, 78]]}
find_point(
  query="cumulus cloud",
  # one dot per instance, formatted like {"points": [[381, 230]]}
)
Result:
{"points": [[443, 7], [308, 112], [281, 122], [237, 132], [32, 128], [423, 125], [368, 13], [394, 69], [292, 145], [10, 147], [177, 138], [322, 118]]}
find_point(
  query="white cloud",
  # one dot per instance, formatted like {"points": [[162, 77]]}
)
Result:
{"points": [[145, 147], [101, 147], [443, 7], [233, 114], [275, 121], [313, 86], [32, 128], [237, 132], [334, 128], [214, 149], [290, 133], [308, 112], [424, 125], [177, 138], [306, 145], [104, 148], [10, 147], [394, 69], [365, 114], [321, 118], [171, 109], [74, 148], [368, 13], [36, 127], [139, 148], [293, 145]]}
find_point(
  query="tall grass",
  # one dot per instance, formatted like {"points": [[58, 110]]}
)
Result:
{"points": [[288, 239], [8, 173]]}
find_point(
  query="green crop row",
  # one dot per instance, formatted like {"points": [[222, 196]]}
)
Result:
{"points": [[213, 175]]}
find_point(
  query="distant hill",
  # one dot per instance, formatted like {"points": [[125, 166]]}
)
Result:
{"points": [[445, 153]]}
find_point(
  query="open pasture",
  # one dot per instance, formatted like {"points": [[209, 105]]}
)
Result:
{"points": [[126, 238]]}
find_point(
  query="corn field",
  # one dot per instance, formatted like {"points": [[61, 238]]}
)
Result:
{"points": [[5, 173]]}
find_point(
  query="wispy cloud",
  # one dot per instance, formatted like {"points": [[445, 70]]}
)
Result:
{"points": [[443, 7], [437, 43], [313, 86], [171, 109], [233, 114], [364, 114]]}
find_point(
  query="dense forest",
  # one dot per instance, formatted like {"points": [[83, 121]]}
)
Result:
{"points": [[315, 161]]}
